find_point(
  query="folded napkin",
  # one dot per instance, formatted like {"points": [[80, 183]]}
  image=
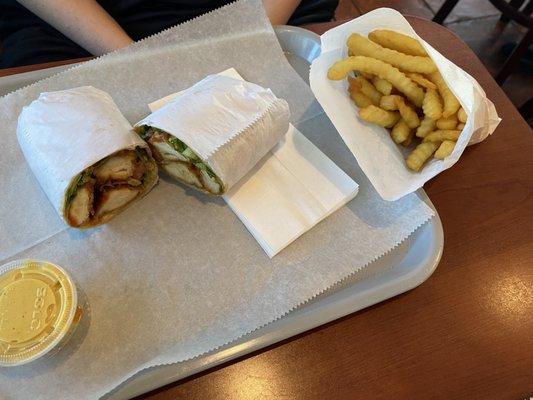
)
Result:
{"points": [[291, 190]]}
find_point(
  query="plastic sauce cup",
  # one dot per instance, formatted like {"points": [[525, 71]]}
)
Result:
{"points": [[38, 310]]}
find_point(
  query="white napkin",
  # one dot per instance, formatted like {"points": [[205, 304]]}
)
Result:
{"points": [[378, 156], [291, 190]]}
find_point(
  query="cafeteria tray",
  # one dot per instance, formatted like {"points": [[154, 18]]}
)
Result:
{"points": [[402, 269]]}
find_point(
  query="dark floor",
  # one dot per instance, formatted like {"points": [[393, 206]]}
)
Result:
{"points": [[475, 21]]}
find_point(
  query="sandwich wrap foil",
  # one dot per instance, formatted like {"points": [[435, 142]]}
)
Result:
{"points": [[62, 133], [229, 123]]}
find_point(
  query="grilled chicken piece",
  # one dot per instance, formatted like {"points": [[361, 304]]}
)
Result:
{"points": [[183, 172], [115, 198], [82, 205], [134, 182], [210, 183], [165, 151], [138, 170], [119, 167]]}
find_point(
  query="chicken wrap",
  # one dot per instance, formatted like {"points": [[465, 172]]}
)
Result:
{"points": [[85, 155], [215, 132]]}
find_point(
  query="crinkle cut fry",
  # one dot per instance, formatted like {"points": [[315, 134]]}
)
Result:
{"points": [[360, 45], [399, 80]]}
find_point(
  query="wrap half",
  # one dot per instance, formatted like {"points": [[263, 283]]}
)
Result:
{"points": [[215, 132], [85, 155]]}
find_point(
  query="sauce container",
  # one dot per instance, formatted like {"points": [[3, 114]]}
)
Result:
{"points": [[38, 310]]}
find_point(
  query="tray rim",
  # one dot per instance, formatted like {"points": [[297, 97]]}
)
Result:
{"points": [[295, 322]]}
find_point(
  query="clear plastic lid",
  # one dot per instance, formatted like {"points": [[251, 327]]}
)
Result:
{"points": [[38, 309]]}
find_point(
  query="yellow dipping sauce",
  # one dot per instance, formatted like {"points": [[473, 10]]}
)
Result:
{"points": [[38, 310]]}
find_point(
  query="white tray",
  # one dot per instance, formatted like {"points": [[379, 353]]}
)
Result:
{"points": [[404, 268]]}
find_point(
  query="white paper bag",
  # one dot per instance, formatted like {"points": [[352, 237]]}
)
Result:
{"points": [[379, 157]]}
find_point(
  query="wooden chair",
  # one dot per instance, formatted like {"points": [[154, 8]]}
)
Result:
{"points": [[510, 11], [518, 11]]}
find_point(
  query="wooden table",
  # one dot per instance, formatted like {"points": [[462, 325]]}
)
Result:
{"points": [[466, 333]]}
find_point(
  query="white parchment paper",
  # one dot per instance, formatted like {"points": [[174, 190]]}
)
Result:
{"points": [[62, 133], [177, 274], [231, 124], [380, 158]]}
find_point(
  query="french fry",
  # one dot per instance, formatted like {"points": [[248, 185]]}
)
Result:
{"points": [[397, 41], [361, 45], [358, 97], [400, 131], [440, 135], [369, 90], [420, 155], [461, 115], [383, 86], [390, 102], [444, 150], [426, 126], [396, 82], [353, 83], [432, 105], [447, 123], [426, 83], [396, 102], [365, 74], [407, 142], [408, 114], [379, 116], [451, 104], [341, 68]]}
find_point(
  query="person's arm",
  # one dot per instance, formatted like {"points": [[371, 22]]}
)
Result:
{"points": [[83, 21], [89, 25], [279, 11]]}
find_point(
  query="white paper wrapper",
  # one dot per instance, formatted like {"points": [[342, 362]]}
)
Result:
{"points": [[229, 123], [287, 193], [379, 157], [62, 133]]}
